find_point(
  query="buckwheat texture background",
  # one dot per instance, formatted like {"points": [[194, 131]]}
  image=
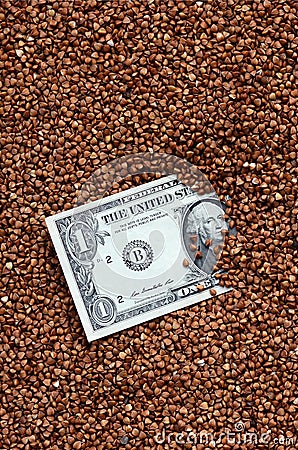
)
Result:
{"points": [[214, 82]]}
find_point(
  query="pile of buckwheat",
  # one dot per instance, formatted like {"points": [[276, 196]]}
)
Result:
{"points": [[216, 83]]}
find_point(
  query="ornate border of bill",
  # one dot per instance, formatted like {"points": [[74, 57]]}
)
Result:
{"points": [[139, 254]]}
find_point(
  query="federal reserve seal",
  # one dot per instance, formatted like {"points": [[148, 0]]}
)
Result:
{"points": [[137, 255]]}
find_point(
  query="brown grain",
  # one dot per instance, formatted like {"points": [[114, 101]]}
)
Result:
{"points": [[215, 83]]}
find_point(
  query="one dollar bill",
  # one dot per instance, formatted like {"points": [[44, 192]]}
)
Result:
{"points": [[139, 254]]}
